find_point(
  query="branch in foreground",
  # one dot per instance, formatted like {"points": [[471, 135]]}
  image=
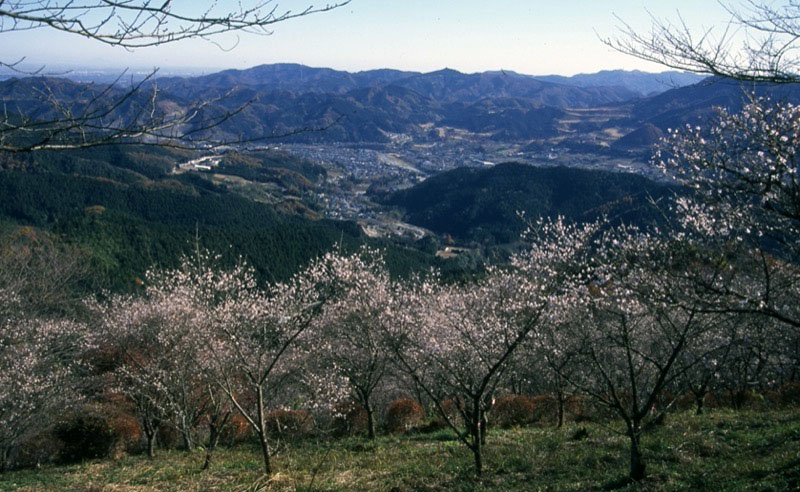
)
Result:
{"points": [[59, 115], [144, 23], [759, 45]]}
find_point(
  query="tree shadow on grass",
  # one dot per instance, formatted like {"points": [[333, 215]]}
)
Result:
{"points": [[790, 472], [441, 436], [618, 483]]}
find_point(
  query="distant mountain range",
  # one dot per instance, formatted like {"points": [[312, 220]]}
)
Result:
{"points": [[695, 103], [372, 106], [643, 83], [443, 87], [446, 84]]}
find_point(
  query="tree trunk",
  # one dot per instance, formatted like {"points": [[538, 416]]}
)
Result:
{"points": [[265, 452], [370, 420], [207, 462], [477, 437], [262, 433], [560, 404], [477, 451], [699, 402], [637, 472], [150, 429], [188, 446], [213, 437], [483, 424], [5, 459], [151, 444]]}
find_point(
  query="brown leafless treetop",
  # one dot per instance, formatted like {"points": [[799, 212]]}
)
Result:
{"points": [[145, 23], [759, 43]]}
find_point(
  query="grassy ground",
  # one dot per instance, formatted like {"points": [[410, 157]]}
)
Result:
{"points": [[724, 450]]}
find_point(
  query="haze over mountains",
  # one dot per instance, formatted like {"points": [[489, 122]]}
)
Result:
{"points": [[367, 106], [379, 105], [644, 83], [300, 78], [447, 85]]}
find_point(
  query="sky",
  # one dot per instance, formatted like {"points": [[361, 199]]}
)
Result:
{"points": [[527, 36]]}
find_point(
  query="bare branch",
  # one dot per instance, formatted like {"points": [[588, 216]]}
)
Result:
{"points": [[112, 114], [142, 23], [759, 44]]}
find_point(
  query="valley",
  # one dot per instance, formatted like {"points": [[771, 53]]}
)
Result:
{"points": [[340, 151], [355, 173], [358, 171]]}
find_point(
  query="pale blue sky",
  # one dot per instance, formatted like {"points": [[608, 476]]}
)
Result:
{"points": [[533, 36]]}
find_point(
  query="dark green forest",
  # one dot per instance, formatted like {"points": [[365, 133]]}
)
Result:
{"points": [[121, 209], [482, 204]]}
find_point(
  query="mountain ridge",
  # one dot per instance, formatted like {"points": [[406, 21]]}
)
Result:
{"points": [[369, 106], [644, 83]]}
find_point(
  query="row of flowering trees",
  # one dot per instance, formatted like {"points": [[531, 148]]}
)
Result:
{"points": [[630, 318], [202, 343], [611, 313]]}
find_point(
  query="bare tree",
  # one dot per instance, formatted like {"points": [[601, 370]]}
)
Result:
{"points": [[758, 44], [46, 277], [118, 113], [144, 23]]}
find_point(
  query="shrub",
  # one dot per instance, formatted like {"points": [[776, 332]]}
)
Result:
{"points": [[516, 410], [120, 417], [236, 431], [581, 408], [85, 434], [128, 431], [738, 399], [544, 407], [350, 419], [513, 410], [790, 393], [43, 448], [686, 402], [404, 415], [289, 423], [126, 426], [168, 436]]}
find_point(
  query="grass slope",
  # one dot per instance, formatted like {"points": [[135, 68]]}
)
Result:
{"points": [[721, 451]]}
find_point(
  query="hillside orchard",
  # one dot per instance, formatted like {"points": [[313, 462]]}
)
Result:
{"points": [[612, 321]]}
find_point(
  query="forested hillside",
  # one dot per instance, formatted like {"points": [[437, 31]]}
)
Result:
{"points": [[126, 211], [483, 204]]}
